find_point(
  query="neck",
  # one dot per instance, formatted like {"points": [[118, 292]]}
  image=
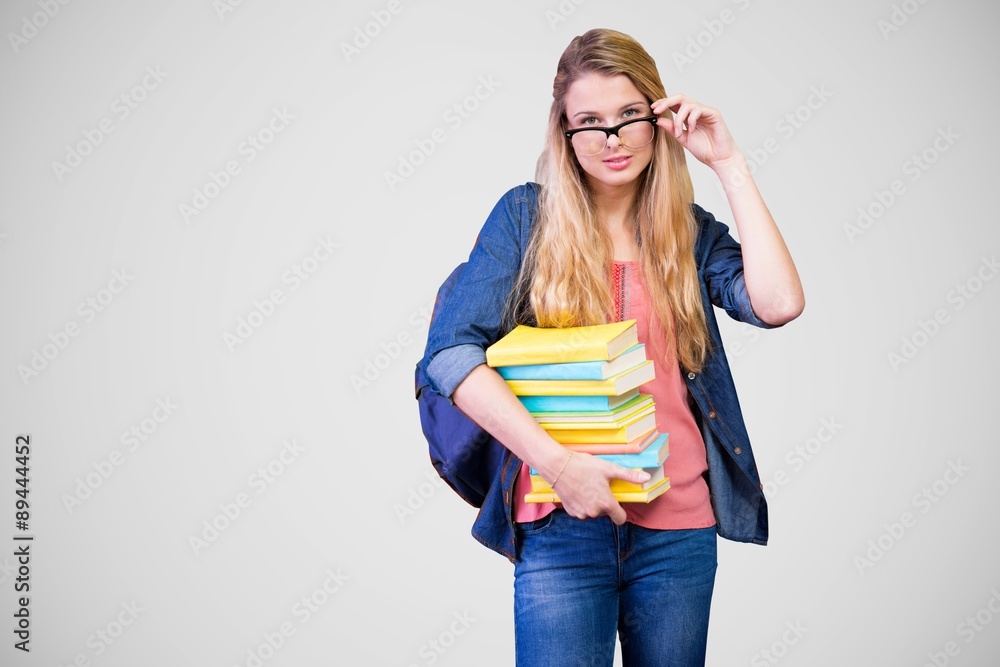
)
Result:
{"points": [[613, 205], [613, 209]]}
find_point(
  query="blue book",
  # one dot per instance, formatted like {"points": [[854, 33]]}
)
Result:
{"points": [[577, 403], [576, 370], [653, 456]]}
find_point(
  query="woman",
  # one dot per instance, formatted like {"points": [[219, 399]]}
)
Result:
{"points": [[612, 233]]}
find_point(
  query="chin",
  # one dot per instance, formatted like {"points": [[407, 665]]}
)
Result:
{"points": [[608, 178]]}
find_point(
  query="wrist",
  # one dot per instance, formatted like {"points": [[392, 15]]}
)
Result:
{"points": [[562, 469], [730, 165], [552, 462]]}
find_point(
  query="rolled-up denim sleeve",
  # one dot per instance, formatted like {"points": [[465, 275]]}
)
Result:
{"points": [[451, 365], [723, 271]]}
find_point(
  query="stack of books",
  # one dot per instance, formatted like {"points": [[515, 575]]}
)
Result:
{"points": [[582, 385]]}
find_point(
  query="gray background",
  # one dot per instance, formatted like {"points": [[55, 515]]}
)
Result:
{"points": [[358, 499]]}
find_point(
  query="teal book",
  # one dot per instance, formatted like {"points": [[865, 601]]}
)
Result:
{"points": [[596, 416], [577, 403], [576, 370]]}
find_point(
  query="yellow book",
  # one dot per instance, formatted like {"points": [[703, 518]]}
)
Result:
{"points": [[627, 433], [539, 485], [630, 497], [548, 345], [631, 447], [624, 486], [614, 385]]}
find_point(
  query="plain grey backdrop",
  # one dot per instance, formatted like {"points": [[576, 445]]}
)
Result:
{"points": [[221, 231]]}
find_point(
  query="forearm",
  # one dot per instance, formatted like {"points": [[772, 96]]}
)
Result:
{"points": [[485, 398], [771, 278]]}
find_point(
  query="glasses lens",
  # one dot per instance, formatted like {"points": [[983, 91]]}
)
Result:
{"points": [[589, 142], [636, 135], [633, 135]]}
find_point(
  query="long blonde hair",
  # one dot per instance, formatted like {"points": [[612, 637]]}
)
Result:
{"points": [[564, 280]]}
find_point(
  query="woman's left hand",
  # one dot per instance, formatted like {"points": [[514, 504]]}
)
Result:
{"points": [[697, 127]]}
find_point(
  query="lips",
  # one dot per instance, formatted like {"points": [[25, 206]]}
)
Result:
{"points": [[618, 161]]}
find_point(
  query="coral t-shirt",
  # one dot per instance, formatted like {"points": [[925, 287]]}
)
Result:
{"points": [[686, 504]]}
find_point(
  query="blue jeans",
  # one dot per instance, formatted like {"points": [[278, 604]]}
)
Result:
{"points": [[577, 583]]}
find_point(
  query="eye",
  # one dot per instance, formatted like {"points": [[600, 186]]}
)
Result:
{"points": [[591, 120]]}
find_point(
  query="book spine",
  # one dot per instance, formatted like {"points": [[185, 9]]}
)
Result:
{"points": [[613, 386], [539, 485], [621, 422], [647, 458], [560, 388], [559, 353], [587, 370], [622, 497], [566, 403], [643, 459]]}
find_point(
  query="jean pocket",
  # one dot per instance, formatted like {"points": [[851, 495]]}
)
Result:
{"points": [[538, 526]]}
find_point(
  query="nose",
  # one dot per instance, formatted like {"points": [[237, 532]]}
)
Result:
{"points": [[613, 141]]}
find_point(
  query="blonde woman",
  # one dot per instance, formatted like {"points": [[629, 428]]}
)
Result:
{"points": [[610, 232]]}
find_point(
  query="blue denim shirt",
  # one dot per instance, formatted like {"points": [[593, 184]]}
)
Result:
{"points": [[470, 319]]}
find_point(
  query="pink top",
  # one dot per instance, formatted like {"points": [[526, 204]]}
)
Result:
{"points": [[686, 504]]}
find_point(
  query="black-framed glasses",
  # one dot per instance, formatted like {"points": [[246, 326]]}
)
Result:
{"points": [[633, 133]]}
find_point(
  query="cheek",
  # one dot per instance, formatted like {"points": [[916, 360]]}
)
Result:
{"points": [[582, 161], [646, 155], [590, 164]]}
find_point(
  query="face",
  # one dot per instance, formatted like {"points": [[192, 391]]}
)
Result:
{"points": [[605, 101]]}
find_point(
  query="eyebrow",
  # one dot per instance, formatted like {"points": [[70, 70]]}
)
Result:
{"points": [[594, 113]]}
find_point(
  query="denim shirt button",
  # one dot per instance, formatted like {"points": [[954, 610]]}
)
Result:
{"points": [[690, 376], [712, 415], [738, 451]]}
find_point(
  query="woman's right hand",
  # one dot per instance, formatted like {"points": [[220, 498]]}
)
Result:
{"points": [[584, 490]]}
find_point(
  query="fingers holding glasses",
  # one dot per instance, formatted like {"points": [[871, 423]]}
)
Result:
{"points": [[686, 113], [698, 127]]}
